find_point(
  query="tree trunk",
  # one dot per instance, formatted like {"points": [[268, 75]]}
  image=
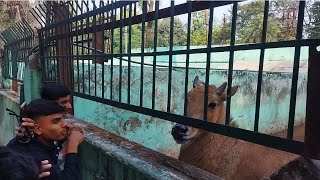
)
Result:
{"points": [[149, 25]]}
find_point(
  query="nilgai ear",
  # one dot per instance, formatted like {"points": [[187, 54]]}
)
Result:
{"points": [[197, 82], [221, 89], [234, 89]]}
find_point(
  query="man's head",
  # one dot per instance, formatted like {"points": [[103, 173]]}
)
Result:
{"points": [[48, 118], [15, 166], [58, 93]]}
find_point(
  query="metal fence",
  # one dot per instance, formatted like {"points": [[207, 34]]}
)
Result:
{"points": [[18, 39], [73, 37]]}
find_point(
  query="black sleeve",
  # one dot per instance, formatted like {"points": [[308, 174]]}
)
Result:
{"points": [[14, 144], [71, 169]]}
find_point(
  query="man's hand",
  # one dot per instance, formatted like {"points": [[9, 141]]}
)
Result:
{"points": [[75, 138], [27, 124], [44, 171]]}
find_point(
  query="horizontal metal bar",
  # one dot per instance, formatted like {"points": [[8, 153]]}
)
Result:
{"points": [[292, 43], [19, 40], [250, 136], [89, 14], [163, 13]]}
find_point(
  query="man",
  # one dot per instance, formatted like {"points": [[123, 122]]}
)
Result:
{"points": [[58, 93], [55, 92], [49, 127]]}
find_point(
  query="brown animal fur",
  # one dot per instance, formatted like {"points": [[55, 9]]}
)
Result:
{"points": [[221, 155]]}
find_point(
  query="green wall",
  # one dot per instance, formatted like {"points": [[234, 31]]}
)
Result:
{"points": [[7, 122]]}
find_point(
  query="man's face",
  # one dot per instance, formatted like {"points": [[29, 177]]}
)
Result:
{"points": [[65, 102], [52, 127]]}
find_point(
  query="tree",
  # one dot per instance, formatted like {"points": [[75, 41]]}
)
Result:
{"points": [[198, 34], [250, 22], [148, 41], [179, 33], [136, 34], [221, 34], [314, 29], [286, 12]]}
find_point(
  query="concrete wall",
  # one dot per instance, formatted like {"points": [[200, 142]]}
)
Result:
{"points": [[155, 133], [105, 155]]}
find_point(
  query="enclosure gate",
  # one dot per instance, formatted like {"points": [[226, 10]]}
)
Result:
{"points": [[73, 35]]}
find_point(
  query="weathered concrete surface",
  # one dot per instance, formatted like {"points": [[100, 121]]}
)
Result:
{"points": [[105, 155], [10, 100]]}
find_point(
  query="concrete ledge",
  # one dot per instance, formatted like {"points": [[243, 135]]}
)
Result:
{"points": [[128, 160]]}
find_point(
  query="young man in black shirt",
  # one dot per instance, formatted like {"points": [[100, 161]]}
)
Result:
{"points": [[15, 166], [50, 127]]}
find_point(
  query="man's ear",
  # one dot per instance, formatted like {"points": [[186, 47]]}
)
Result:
{"points": [[37, 129]]}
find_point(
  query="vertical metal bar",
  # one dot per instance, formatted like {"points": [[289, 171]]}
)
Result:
{"points": [[129, 54], [41, 51], [69, 41], [295, 72], [312, 124], [77, 49], [144, 12], [231, 58], [103, 47], [50, 54], [62, 57], [155, 43], [49, 58], [56, 61], [113, 19], [82, 48], [209, 42], [120, 65], [95, 49], [170, 55], [263, 40], [46, 61], [89, 57], [125, 12], [187, 58], [135, 9]]}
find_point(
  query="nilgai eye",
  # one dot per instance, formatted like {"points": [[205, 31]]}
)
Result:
{"points": [[212, 105]]}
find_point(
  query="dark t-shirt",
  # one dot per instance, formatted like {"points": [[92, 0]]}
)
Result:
{"points": [[41, 152]]}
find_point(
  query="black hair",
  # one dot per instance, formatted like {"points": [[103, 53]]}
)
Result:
{"points": [[42, 107], [15, 166], [54, 91]]}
